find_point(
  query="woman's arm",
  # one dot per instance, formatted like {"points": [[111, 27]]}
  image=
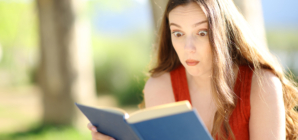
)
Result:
{"points": [[267, 119]]}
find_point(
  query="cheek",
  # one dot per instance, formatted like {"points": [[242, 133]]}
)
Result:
{"points": [[206, 52], [209, 50], [179, 48], [203, 47]]}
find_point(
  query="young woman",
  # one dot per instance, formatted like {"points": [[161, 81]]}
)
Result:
{"points": [[207, 55]]}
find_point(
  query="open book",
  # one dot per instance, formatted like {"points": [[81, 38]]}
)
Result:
{"points": [[174, 121]]}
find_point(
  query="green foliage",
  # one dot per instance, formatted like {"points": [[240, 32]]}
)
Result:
{"points": [[120, 66], [285, 39], [18, 41], [10, 20], [18, 26], [119, 62], [47, 133], [125, 86], [292, 75], [132, 94]]}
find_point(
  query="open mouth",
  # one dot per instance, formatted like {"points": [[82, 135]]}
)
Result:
{"points": [[191, 62]]}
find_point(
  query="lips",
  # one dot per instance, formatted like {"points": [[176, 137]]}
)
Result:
{"points": [[191, 62]]}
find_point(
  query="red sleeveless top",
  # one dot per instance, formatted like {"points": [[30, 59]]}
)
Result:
{"points": [[239, 120]]}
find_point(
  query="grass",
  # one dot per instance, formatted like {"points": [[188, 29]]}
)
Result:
{"points": [[20, 118], [48, 133]]}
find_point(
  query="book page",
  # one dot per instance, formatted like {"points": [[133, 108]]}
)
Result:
{"points": [[159, 111]]}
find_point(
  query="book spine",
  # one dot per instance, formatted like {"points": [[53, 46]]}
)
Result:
{"points": [[134, 129]]}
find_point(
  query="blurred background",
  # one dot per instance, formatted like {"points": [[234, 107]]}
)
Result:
{"points": [[97, 52]]}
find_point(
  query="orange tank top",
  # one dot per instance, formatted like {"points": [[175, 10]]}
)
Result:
{"points": [[239, 120]]}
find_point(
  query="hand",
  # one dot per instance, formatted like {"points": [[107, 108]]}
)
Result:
{"points": [[96, 135]]}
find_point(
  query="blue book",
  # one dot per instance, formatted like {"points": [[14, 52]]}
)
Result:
{"points": [[174, 121]]}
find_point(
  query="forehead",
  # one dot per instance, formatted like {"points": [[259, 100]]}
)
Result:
{"points": [[190, 13]]}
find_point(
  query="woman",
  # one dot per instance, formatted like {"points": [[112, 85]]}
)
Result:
{"points": [[208, 56]]}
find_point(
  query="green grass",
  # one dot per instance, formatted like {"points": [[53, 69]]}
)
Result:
{"points": [[48, 133]]}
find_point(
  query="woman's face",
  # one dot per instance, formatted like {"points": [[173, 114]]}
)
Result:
{"points": [[189, 34]]}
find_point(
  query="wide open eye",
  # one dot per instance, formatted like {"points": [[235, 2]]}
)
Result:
{"points": [[202, 33], [177, 34]]}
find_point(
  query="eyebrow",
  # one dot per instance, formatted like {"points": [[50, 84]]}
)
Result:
{"points": [[196, 24]]}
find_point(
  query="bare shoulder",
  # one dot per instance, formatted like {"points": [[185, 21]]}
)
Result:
{"points": [[267, 119], [270, 84], [158, 90]]}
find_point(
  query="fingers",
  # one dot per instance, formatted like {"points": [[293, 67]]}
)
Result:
{"points": [[91, 127], [99, 136], [96, 135]]}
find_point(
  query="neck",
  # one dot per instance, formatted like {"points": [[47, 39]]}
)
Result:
{"points": [[202, 84], [199, 84]]}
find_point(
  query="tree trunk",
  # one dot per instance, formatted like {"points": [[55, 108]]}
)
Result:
{"points": [[66, 71], [158, 8]]}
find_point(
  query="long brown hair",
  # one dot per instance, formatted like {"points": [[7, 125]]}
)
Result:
{"points": [[232, 43]]}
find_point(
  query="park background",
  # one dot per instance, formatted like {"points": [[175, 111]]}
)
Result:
{"points": [[57, 52]]}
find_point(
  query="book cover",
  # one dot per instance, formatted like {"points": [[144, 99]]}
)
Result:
{"points": [[109, 123], [175, 121]]}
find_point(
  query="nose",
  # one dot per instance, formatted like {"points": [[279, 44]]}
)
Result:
{"points": [[189, 45]]}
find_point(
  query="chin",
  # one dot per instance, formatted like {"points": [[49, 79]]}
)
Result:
{"points": [[195, 71]]}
